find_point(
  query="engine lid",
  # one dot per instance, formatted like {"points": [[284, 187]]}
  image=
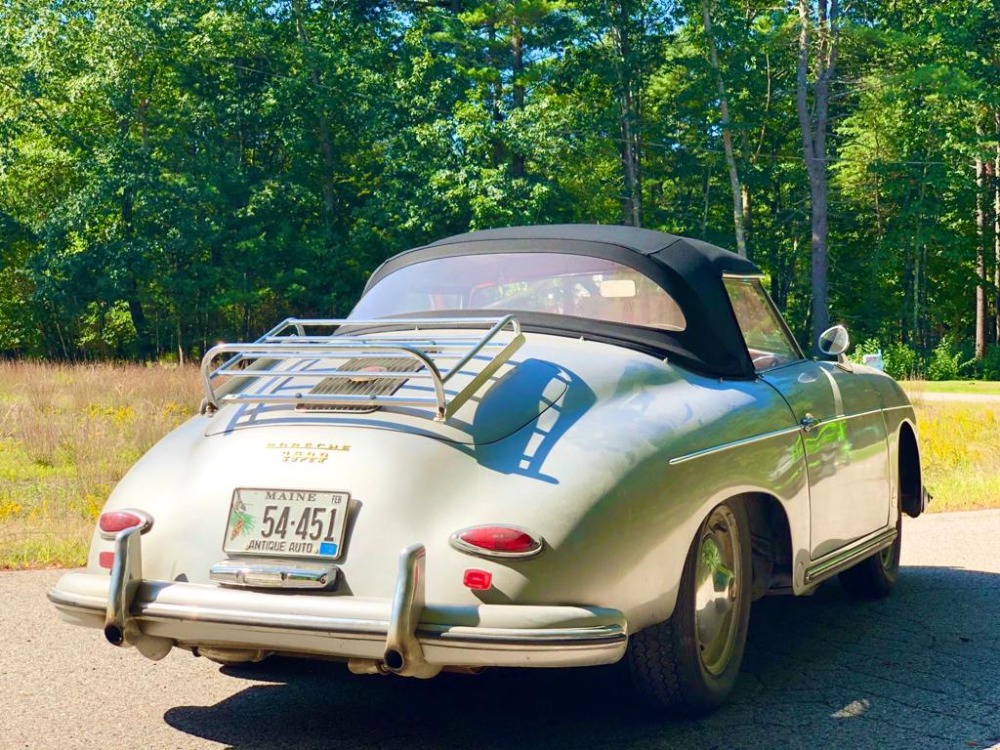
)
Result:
{"points": [[511, 398]]}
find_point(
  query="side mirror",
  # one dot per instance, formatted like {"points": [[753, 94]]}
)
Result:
{"points": [[834, 341]]}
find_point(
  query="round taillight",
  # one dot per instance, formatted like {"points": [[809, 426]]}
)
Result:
{"points": [[112, 522], [497, 541]]}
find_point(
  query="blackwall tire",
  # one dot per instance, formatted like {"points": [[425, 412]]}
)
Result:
{"points": [[688, 665]]}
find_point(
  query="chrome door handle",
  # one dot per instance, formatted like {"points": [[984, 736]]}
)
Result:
{"points": [[808, 422]]}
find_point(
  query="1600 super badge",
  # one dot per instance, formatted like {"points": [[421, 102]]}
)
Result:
{"points": [[303, 523]]}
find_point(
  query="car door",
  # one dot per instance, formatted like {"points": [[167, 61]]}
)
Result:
{"points": [[844, 441], [843, 431]]}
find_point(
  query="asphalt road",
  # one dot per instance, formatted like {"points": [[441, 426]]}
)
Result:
{"points": [[918, 670]]}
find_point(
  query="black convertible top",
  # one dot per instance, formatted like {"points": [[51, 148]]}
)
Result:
{"points": [[690, 270]]}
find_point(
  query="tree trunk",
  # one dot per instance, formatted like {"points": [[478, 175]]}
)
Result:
{"points": [[923, 320], [706, 203], [907, 333], [981, 305], [136, 311], [916, 299], [517, 48], [727, 134], [323, 124], [814, 125], [495, 97], [921, 329], [628, 103], [180, 342], [996, 230], [747, 211]]}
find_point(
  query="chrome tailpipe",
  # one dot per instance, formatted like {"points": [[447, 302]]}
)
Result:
{"points": [[403, 654]]}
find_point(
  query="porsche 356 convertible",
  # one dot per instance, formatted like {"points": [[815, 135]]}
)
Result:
{"points": [[550, 446]]}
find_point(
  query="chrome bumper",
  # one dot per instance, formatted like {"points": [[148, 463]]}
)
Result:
{"points": [[402, 635]]}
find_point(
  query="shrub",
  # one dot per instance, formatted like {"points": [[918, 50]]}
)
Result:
{"points": [[988, 368], [945, 363], [902, 362], [868, 346], [898, 360]]}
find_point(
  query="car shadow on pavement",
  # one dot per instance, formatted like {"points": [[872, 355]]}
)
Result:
{"points": [[918, 669]]}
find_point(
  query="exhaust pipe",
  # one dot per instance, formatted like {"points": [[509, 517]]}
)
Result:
{"points": [[114, 634], [394, 661]]}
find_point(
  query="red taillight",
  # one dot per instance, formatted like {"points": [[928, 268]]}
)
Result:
{"points": [[477, 580], [497, 541], [112, 522], [106, 560]]}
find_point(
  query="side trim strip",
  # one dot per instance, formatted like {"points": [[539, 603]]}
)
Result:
{"points": [[843, 558], [734, 444], [845, 417], [769, 435]]}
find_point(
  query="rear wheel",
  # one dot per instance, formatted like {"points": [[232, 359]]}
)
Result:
{"points": [[688, 665]]}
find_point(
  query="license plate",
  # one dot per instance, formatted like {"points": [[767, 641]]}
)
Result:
{"points": [[282, 523]]}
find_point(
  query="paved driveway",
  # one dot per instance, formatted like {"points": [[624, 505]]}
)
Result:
{"points": [[919, 670]]}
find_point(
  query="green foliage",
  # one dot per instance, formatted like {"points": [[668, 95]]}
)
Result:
{"points": [[902, 362], [106, 332], [945, 363], [898, 360], [991, 365], [868, 346], [174, 173]]}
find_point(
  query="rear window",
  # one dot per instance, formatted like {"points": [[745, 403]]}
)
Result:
{"points": [[554, 283]]}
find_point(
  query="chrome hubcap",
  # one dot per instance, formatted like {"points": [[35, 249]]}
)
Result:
{"points": [[717, 590]]}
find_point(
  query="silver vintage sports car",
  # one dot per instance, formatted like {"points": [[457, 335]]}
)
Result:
{"points": [[539, 447]]}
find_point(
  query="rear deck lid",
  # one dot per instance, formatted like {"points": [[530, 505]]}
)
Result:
{"points": [[496, 406]]}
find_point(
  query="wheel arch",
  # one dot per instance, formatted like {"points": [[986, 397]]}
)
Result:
{"points": [[771, 540], [911, 487]]}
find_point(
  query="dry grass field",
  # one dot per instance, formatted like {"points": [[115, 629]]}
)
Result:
{"points": [[69, 433]]}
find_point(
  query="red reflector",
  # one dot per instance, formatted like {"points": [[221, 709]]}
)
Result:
{"points": [[477, 580], [106, 559], [500, 539], [115, 521]]}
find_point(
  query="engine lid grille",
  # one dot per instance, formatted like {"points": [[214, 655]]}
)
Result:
{"points": [[370, 383]]}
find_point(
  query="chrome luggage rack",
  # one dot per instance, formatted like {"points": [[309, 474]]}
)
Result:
{"points": [[281, 352]]}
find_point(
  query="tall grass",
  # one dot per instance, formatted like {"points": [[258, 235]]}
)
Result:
{"points": [[67, 435], [960, 453]]}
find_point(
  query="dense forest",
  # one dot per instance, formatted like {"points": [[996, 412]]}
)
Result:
{"points": [[173, 172]]}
